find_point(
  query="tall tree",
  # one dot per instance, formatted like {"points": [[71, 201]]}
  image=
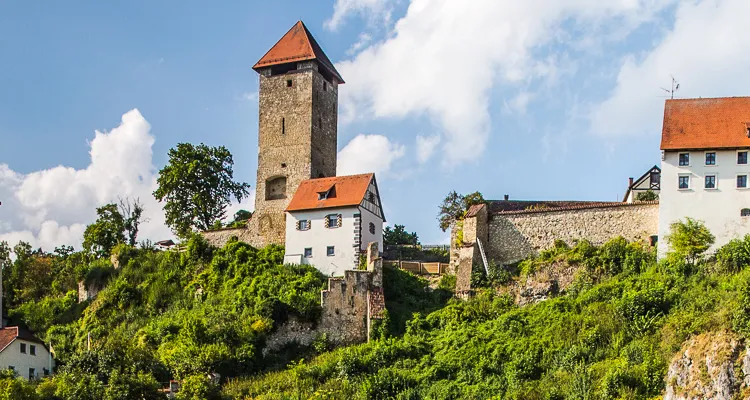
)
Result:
{"points": [[106, 232], [454, 207], [398, 235], [132, 214], [197, 185]]}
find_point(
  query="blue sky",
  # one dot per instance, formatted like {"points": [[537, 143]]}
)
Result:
{"points": [[538, 100]]}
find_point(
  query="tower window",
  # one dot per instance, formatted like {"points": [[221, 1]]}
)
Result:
{"points": [[283, 126], [288, 83], [283, 165], [325, 86], [320, 122]]}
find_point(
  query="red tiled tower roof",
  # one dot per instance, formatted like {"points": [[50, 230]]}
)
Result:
{"points": [[298, 44], [706, 123]]}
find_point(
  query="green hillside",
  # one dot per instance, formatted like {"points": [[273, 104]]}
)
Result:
{"points": [[609, 334]]}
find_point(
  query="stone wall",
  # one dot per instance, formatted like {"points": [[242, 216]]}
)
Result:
{"points": [[514, 236], [350, 305], [220, 237]]}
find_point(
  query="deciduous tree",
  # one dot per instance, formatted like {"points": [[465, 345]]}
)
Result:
{"points": [[106, 232], [197, 185], [454, 207], [689, 239]]}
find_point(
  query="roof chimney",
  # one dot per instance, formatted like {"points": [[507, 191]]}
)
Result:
{"points": [[506, 197], [630, 181]]}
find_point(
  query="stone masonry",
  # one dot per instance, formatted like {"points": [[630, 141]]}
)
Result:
{"points": [[297, 140], [350, 305], [511, 236]]}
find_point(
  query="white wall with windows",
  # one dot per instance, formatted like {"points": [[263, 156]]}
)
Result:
{"points": [[372, 229], [29, 360], [710, 186], [330, 249]]}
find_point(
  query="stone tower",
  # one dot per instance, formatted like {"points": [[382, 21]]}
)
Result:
{"points": [[298, 107]]}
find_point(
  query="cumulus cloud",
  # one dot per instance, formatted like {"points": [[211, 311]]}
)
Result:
{"points": [[374, 10], [442, 59], [368, 153], [426, 145], [705, 50], [52, 207]]}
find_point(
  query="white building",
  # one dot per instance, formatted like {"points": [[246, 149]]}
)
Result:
{"points": [[704, 169], [650, 181], [24, 353], [330, 221]]}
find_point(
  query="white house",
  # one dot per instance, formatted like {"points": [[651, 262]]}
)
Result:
{"points": [[330, 221], [651, 180], [704, 169], [24, 353]]}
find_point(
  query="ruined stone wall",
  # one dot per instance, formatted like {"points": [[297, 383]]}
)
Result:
{"points": [[515, 236], [220, 237], [349, 305]]}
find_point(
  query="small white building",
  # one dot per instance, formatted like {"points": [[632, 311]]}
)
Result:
{"points": [[704, 169], [650, 181], [330, 221], [23, 353]]}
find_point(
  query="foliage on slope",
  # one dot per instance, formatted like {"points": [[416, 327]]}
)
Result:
{"points": [[163, 315], [610, 336]]}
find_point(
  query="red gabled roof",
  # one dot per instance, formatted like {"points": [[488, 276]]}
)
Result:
{"points": [[297, 45], [706, 123], [10, 333], [349, 191]]}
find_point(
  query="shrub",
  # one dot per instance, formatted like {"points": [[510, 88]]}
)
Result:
{"points": [[690, 239], [735, 255]]}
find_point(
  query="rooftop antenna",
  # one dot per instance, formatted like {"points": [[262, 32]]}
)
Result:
{"points": [[675, 87]]}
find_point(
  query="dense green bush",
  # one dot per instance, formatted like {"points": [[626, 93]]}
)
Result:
{"points": [[610, 337]]}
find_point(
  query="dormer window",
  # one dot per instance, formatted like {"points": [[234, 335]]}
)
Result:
{"points": [[326, 194]]}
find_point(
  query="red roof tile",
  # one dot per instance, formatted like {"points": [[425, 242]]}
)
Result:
{"points": [[349, 191], [706, 123], [298, 44], [10, 333]]}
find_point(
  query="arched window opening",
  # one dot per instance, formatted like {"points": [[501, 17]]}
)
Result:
{"points": [[372, 228], [276, 188]]}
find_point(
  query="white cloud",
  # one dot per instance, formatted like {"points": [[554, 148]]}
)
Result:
{"points": [[705, 51], [52, 207], [368, 153], [250, 96], [426, 145], [444, 56], [363, 40], [374, 10]]}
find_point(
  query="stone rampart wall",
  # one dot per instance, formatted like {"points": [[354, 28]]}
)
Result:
{"points": [[515, 236]]}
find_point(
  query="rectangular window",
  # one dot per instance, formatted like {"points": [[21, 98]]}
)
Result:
{"points": [[46, 371], [742, 157], [32, 350], [684, 159], [741, 181], [288, 83], [32, 373], [710, 182], [332, 221], [330, 252], [304, 225], [711, 158], [325, 86], [684, 182], [23, 348], [308, 252]]}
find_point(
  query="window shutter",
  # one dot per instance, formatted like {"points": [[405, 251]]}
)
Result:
{"points": [[338, 220], [298, 225], [327, 222]]}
